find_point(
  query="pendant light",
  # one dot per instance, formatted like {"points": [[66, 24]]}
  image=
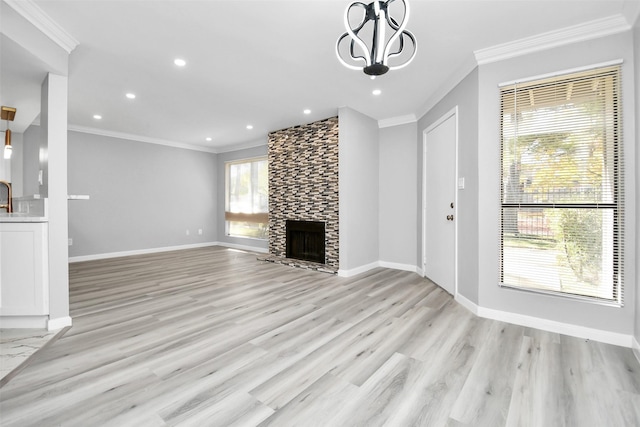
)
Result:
{"points": [[373, 58]]}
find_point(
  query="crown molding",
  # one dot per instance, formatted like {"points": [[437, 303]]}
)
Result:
{"points": [[39, 19], [396, 121], [581, 32], [245, 146], [130, 137], [447, 86]]}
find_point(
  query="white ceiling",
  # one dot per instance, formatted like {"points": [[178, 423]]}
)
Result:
{"points": [[260, 62]]}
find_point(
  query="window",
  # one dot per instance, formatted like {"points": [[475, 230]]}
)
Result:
{"points": [[562, 185], [247, 198]]}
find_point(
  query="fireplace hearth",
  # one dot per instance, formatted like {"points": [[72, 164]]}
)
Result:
{"points": [[306, 240]]}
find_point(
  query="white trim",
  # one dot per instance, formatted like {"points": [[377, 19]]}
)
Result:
{"points": [[635, 345], [467, 303], [561, 73], [138, 252], [58, 323], [30, 11], [396, 121], [232, 148], [23, 322], [577, 331], [576, 33], [398, 266], [447, 86], [243, 247], [358, 270], [130, 137]]}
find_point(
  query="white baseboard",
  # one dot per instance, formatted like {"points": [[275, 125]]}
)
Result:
{"points": [[163, 249], [636, 348], [23, 322], [138, 252], [358, 270], [243, 247], [466, 303], [577, 331], [376, 264], [398, 266], [58, 323]]}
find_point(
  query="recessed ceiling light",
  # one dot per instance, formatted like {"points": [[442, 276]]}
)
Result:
{"points": [[376, 92], [208, 138], [97, 116], [131, 95], [249, 127], [180, 62], [307, 111]]}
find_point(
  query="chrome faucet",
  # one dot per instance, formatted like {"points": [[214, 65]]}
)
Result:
{"points": [[9, 205]]}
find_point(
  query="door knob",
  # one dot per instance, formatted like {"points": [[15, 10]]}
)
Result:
{"points": [[449, 217]]}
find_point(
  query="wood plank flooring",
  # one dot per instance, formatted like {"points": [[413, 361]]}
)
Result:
{"points": [[213, 337]]}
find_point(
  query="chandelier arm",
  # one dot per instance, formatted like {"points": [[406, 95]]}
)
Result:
{"points": [[400, 48], [392, 22], [342, 61], [398, 32], [354, 35], [415, 49]]}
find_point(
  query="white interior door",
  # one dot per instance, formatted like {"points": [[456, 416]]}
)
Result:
{"points": [[439, 202]]}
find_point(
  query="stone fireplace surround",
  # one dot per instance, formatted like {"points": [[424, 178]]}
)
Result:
{"points": [[303, 185]]}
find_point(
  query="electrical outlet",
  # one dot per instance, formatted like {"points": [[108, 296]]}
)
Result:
{"points": [[187, 231], [200, 231], [70, 241]]}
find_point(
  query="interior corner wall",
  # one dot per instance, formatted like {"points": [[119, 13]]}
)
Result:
{"points": [[554, 308], [142, 196], [359, 196], [465, 97], [248, 153], [398, 206]]}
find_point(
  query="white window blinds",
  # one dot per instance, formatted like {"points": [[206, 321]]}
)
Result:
{"points": [[562, 185], [247, 198]]}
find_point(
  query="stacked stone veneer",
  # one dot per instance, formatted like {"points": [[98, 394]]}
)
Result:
{"points": [[303, 183]]}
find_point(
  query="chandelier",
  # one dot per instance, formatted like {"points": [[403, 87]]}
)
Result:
{"points": [[376, 21]]}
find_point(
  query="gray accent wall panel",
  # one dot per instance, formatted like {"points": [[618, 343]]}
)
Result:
{"points": [[359, 195], [142, 196], [398, 202]]}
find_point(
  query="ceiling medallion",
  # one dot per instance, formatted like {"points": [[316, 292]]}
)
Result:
{"points": [[373, 59]]}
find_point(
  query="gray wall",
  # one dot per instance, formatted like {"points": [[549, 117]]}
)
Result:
{"points": [[565, 310], [249, 153], [31, 140], [398, 206], [359, 195], [142, 196], [465, 96], [636, 43]]}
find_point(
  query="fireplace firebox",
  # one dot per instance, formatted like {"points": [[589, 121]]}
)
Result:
{"points": [[306, 240]]}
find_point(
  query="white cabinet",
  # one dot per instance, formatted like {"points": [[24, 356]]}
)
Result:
{"points": [[24, 284]]}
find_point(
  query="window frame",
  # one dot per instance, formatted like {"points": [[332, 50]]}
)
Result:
{"points": [[616, 206], [255, 218]]}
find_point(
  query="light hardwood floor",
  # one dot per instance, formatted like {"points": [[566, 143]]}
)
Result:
{"points": [[213, 337]]}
